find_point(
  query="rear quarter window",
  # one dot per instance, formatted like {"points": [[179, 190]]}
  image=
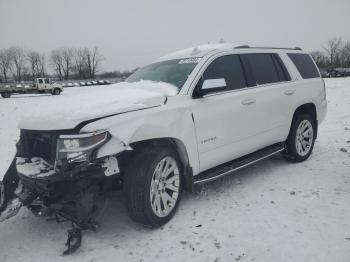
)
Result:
{"points": [[305, 65]]}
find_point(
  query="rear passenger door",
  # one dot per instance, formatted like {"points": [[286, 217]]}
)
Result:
{"points": [[273, 92]]}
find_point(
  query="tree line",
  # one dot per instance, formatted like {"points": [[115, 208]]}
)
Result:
{"points": [[334, 54], [19, 64]]}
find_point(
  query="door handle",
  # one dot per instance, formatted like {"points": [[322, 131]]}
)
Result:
{"points": [[247, 102], [289, 92]]}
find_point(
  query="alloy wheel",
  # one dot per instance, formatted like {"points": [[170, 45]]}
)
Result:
{"points": [[165, 186], [304, 137]]}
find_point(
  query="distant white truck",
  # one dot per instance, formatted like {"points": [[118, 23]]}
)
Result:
{"points": [[40, 85]]}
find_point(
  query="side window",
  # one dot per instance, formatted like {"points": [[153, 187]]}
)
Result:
{"points": [[263, 68], [281, 68], [40, 81], [47, 81], [228, 68], [305, 65]]}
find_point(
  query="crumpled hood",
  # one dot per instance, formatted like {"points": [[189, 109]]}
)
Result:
{"points": [[82, 104]]}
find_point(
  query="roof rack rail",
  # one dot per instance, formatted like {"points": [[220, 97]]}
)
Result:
{"points": [[269, 47], [243, 46]]}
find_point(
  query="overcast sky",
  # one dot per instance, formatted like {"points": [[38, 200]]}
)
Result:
{"points": [[133, 33]]}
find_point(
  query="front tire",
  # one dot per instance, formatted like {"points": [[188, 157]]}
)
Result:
{"points": [[153, 186], [301, 138]]}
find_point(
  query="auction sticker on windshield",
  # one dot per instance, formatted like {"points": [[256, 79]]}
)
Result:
{"points": [[191, 60]]}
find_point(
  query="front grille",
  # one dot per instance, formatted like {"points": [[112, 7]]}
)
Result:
{"points": [[38, 144]]}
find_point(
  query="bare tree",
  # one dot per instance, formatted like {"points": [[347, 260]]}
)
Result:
{"points": [[42, 65], [67, 54], [80, 63], [333, 48], [56, 62], [19, 62], [345, 55], [320, 59], [5, 63], [37, 63], [93, 60], [61, 59]]}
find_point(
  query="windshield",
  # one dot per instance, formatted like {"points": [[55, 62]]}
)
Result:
{"points": [[173, 72]]}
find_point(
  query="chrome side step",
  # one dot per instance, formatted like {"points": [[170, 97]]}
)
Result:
{"points": [[234, 165]]}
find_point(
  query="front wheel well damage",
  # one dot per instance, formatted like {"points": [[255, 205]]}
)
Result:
{"points": [[125, 158]]}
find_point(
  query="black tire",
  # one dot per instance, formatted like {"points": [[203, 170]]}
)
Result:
{"points": [[6, 95], [137, 185], [56, 92], [292, 152]]}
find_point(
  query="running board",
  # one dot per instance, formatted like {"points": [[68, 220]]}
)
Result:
{"points": [[234, 165]]}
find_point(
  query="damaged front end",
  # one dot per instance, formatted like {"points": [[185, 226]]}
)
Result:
{"points": [[9, 203], [59, 176]]}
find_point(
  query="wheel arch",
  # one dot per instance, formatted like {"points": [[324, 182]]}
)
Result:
{"points": [[179, 147], [310, 109], [56, 88]]}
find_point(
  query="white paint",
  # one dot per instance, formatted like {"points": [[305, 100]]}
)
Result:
{"points": [[101, 101]]}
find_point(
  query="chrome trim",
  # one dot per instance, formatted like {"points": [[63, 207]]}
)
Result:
{"points": [[79, 149], [82, 135], [248, 88], [237, 168]]}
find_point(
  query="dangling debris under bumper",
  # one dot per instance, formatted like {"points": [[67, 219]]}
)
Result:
{"points": [[77, 196]]}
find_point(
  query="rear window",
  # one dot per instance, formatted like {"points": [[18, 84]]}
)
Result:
{"points": [[263, 68], [305, 65]]}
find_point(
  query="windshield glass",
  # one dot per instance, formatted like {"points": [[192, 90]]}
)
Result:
{"points": [[173, 72]]}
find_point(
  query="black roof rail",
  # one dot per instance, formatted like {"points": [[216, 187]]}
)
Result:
{"points": [[243, 46], [269, 47]]}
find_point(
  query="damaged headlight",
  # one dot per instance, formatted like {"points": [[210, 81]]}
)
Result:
{"points": [[79, 148]]}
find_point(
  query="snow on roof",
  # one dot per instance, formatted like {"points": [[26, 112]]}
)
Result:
{"points": [[198, 51]]}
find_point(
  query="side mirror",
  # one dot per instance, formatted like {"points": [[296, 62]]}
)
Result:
{"points": [[210, 86]]}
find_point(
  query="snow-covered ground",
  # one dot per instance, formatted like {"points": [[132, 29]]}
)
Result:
{"points": [[272, 211]]}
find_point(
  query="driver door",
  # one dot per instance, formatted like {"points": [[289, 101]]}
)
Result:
{"points": [[224, 115], [41, 84]]}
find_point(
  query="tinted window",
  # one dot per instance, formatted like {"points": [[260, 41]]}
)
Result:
{"points": [[263, 68], [228, 67], [305, 65], [281, 68]]}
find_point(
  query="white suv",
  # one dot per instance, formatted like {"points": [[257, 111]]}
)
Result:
{"points": [[190, 117]]}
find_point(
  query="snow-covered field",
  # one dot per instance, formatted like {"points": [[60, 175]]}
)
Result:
{"points": [[272, 211]]}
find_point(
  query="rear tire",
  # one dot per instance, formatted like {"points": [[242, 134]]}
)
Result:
{"points": [[153, 186], [56, 92], [301, 138], [6, 95]]}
